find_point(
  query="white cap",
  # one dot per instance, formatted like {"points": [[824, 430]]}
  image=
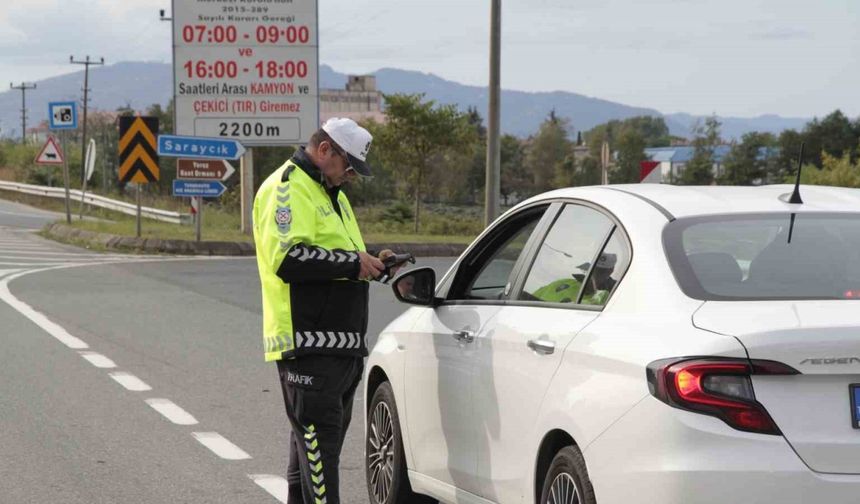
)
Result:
{"points": [[352, 138]]}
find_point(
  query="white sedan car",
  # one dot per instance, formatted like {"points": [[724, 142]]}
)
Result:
{"points": [[630, 344]]}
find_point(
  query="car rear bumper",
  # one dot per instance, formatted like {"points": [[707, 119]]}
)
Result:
{"points": [[656, 453]]}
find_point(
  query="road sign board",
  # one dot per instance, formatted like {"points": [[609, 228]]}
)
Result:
{"points": [[648, 172], [138, 159], [204, 188], [50, 153], [203, 169], [197, 147], [62, 115], [249, 74], [91, 158]]}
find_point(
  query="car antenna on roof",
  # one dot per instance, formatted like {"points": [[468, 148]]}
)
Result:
{"points": [[795, 196]]}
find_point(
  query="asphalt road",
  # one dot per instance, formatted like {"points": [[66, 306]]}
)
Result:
{"points": [[130, 379]]}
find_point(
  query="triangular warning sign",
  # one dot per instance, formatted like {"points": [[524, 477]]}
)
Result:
{"points": [[51, 153]]}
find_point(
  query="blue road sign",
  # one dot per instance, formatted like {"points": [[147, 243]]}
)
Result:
{"points": [[204, 188], [199, 147], [62, 115]]}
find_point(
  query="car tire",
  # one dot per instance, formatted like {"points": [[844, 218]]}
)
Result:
{"points": [[567, 480], [385, 462]]}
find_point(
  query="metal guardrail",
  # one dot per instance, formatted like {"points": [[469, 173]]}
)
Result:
{"points": [[98, 201]]}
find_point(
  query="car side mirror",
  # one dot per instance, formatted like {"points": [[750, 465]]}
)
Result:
{"points": [[416, 287]]}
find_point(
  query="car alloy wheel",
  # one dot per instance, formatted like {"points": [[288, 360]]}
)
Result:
{"points": [[385, 462], [381, 459], [563, 490], [566, 480]]}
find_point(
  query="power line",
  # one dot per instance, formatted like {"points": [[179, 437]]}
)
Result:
{"points": [[23, 87], [86, 62]]}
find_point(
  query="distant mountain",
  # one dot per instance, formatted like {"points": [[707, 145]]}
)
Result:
{"points": [[734, 127], [111, 86], [141, 84]]}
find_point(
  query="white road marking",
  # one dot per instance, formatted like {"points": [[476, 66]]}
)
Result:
{"points": [[130, 382], [275, 485], [49, 258], [28, 265], [220, 446], [172, 412], [40, 320], [40, 251], [98, 360]]}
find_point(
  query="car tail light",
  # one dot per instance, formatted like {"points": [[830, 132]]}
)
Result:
{"points": [[717, 387]]}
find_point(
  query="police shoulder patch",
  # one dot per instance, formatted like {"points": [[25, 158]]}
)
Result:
{"points": [[283, 218]]}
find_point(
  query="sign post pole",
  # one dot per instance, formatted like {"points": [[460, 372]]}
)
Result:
{"points": [[66, 178], [199, 217], [247, 188], [138, 208], [88, 164]]}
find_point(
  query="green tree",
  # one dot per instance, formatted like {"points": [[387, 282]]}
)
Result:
{"points": [[835, 171], [547, 151], [788, 143], [834, 135], [515, 177], [588, 172], [415, 137], [748, 161], [700, 169], [652, 130], [631, 151]]}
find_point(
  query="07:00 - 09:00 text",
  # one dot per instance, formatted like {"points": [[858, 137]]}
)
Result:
{"points": [[247, 129]]}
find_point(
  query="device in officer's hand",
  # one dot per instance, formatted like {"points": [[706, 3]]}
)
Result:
{"points": [[392, 262]]}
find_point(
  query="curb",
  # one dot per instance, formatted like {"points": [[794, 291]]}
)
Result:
{"points": [[62, 232]]}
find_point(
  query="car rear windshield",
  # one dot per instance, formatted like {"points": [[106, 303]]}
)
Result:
{"points": [[766, 256]]}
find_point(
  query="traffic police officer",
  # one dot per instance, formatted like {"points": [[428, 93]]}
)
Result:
{"points": [[314, 270]]}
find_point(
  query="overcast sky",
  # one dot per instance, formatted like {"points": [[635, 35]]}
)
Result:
{"points": [[730, 57]]}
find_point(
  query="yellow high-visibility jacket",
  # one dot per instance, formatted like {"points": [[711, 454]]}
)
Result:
{"points": [[307, 244]]}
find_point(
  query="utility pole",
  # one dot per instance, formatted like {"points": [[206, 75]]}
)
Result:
{"points": [[23, 87], [86, 64], [491, 200]]}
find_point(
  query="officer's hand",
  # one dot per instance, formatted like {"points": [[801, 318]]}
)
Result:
{"points": [[371, 267], [388, 253]]}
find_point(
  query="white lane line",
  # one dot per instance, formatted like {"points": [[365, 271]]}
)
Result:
{"points": [[27, 265], [172, 412], [130, 382], [275, 485], [4, 272], [40, 320], [42, 251], [220, 446], [12, 257], [98, 360]]}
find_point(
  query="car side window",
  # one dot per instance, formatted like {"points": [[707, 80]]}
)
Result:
{"points": [[564, 258], [485, 276], [607, 271]]}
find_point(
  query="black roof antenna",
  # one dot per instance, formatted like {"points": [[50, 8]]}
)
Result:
{"points": [[795, 196]]}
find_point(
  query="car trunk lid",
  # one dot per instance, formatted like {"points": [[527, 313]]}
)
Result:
{"points": [[821, 339]]}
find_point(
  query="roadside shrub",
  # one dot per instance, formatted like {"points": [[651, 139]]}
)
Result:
{"points": [[400, 212]]}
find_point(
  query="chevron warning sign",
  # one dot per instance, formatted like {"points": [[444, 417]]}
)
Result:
{"points": [[138, 150]]}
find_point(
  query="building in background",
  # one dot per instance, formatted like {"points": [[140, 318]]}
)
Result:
{"points": [[673, 161], [359, 101]]}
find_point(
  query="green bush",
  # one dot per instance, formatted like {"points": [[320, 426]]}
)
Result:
{"points": [[399, 213]]}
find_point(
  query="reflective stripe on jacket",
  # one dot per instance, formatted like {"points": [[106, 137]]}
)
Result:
{"points": [[307, 241]]}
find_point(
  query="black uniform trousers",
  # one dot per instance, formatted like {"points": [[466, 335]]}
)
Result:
{"points": [[318, 393]]}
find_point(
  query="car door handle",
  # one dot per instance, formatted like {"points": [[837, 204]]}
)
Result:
{"points": [[464, 336], [540, 346]]}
